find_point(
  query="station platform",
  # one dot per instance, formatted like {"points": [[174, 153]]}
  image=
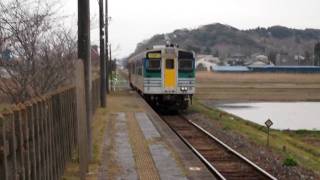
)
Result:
{"points": [[139, 145]]}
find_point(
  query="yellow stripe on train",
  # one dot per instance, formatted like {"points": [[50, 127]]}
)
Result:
{"points": [[170, 74]]}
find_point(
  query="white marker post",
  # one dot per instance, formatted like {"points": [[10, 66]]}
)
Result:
{"points": [[268, 123]]}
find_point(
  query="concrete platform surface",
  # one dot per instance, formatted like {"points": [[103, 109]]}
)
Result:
{"points": [[139, 145]]}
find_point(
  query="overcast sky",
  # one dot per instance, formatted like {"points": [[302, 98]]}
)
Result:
{"points": [[137, 20]]}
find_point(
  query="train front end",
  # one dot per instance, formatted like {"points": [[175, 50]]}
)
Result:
{"points": [[169, 78]]}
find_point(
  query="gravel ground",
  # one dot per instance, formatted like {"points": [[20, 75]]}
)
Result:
{"points": [[262, 156]]}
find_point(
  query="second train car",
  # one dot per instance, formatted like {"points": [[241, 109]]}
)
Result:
{"points": [[165, 76]]}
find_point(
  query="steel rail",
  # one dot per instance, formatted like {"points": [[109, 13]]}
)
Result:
{"points": [[265, 173], [216, 173], [225, 146]]}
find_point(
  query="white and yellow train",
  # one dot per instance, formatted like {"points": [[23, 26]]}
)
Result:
{"points": [[165, 76]]}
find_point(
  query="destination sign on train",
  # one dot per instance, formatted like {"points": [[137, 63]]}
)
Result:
{"points": [[154, 55]]}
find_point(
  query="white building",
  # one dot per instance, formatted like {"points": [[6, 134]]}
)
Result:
{"points": [[258, 60], [206, 62]]}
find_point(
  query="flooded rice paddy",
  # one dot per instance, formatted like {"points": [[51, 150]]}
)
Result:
{"points": [[285, 115]]}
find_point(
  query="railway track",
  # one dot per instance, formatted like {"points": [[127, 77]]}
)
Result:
{"points": [[223, 161]]}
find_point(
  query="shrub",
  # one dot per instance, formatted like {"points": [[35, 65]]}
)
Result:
{"points": [[289, 161]]}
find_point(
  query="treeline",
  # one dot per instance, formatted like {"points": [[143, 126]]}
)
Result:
{"points": [[225, 41]]}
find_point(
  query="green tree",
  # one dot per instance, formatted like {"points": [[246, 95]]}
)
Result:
{"points": [[317, 54]]}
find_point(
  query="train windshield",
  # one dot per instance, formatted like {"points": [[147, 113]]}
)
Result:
{"points": [[186, 64], [186, 61], [153, 64]]}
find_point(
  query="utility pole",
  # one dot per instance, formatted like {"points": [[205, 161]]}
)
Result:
{"points": [[102, 58], [85, 56], [107, 42], [110, 66]]}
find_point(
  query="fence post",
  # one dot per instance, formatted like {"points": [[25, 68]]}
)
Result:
{"points": [[8, 146], [43, 101], [58, 132], [54, 121], [43, 141], [25, 130], [69, 118], [31, 124], [19, 140], [51, 141], [63, 128], [4, 173], [37, 135], [74, 118]]}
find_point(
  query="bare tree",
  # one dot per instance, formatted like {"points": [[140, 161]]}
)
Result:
{"points": [[2, 38], [44, 52], [57, 55]]}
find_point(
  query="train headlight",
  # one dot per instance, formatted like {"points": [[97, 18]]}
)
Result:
{"points": [[184, 89]]}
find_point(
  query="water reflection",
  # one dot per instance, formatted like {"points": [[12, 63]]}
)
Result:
{"points": [[285, 115]]}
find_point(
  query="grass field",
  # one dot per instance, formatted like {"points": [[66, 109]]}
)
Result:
{"points": [[258, 86]]}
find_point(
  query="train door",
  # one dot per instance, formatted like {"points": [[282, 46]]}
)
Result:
{"points": [[170, 74]]}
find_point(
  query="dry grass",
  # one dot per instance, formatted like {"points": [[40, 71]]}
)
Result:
{"points": [[4, 102], [98, 128], [3, 106], [258, 86], [258, 77]]}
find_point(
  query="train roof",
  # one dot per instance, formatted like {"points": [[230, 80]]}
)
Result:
{"points": [[156, 48]]}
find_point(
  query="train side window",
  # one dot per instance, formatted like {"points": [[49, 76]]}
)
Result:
{"points": [[169, 64], [140, 71], [139, 64]]}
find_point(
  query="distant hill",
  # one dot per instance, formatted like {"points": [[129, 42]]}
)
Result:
{"points": [[224, 41]]}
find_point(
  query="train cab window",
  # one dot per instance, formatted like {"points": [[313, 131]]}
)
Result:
{"points": [[185, 64], [154, 64], [169, 64]]}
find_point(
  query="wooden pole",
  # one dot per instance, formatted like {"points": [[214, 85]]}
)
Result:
{"points": [[102, 58], [110, 66], [268, 137], [82, 124], [85, 56], [107, 42]]}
